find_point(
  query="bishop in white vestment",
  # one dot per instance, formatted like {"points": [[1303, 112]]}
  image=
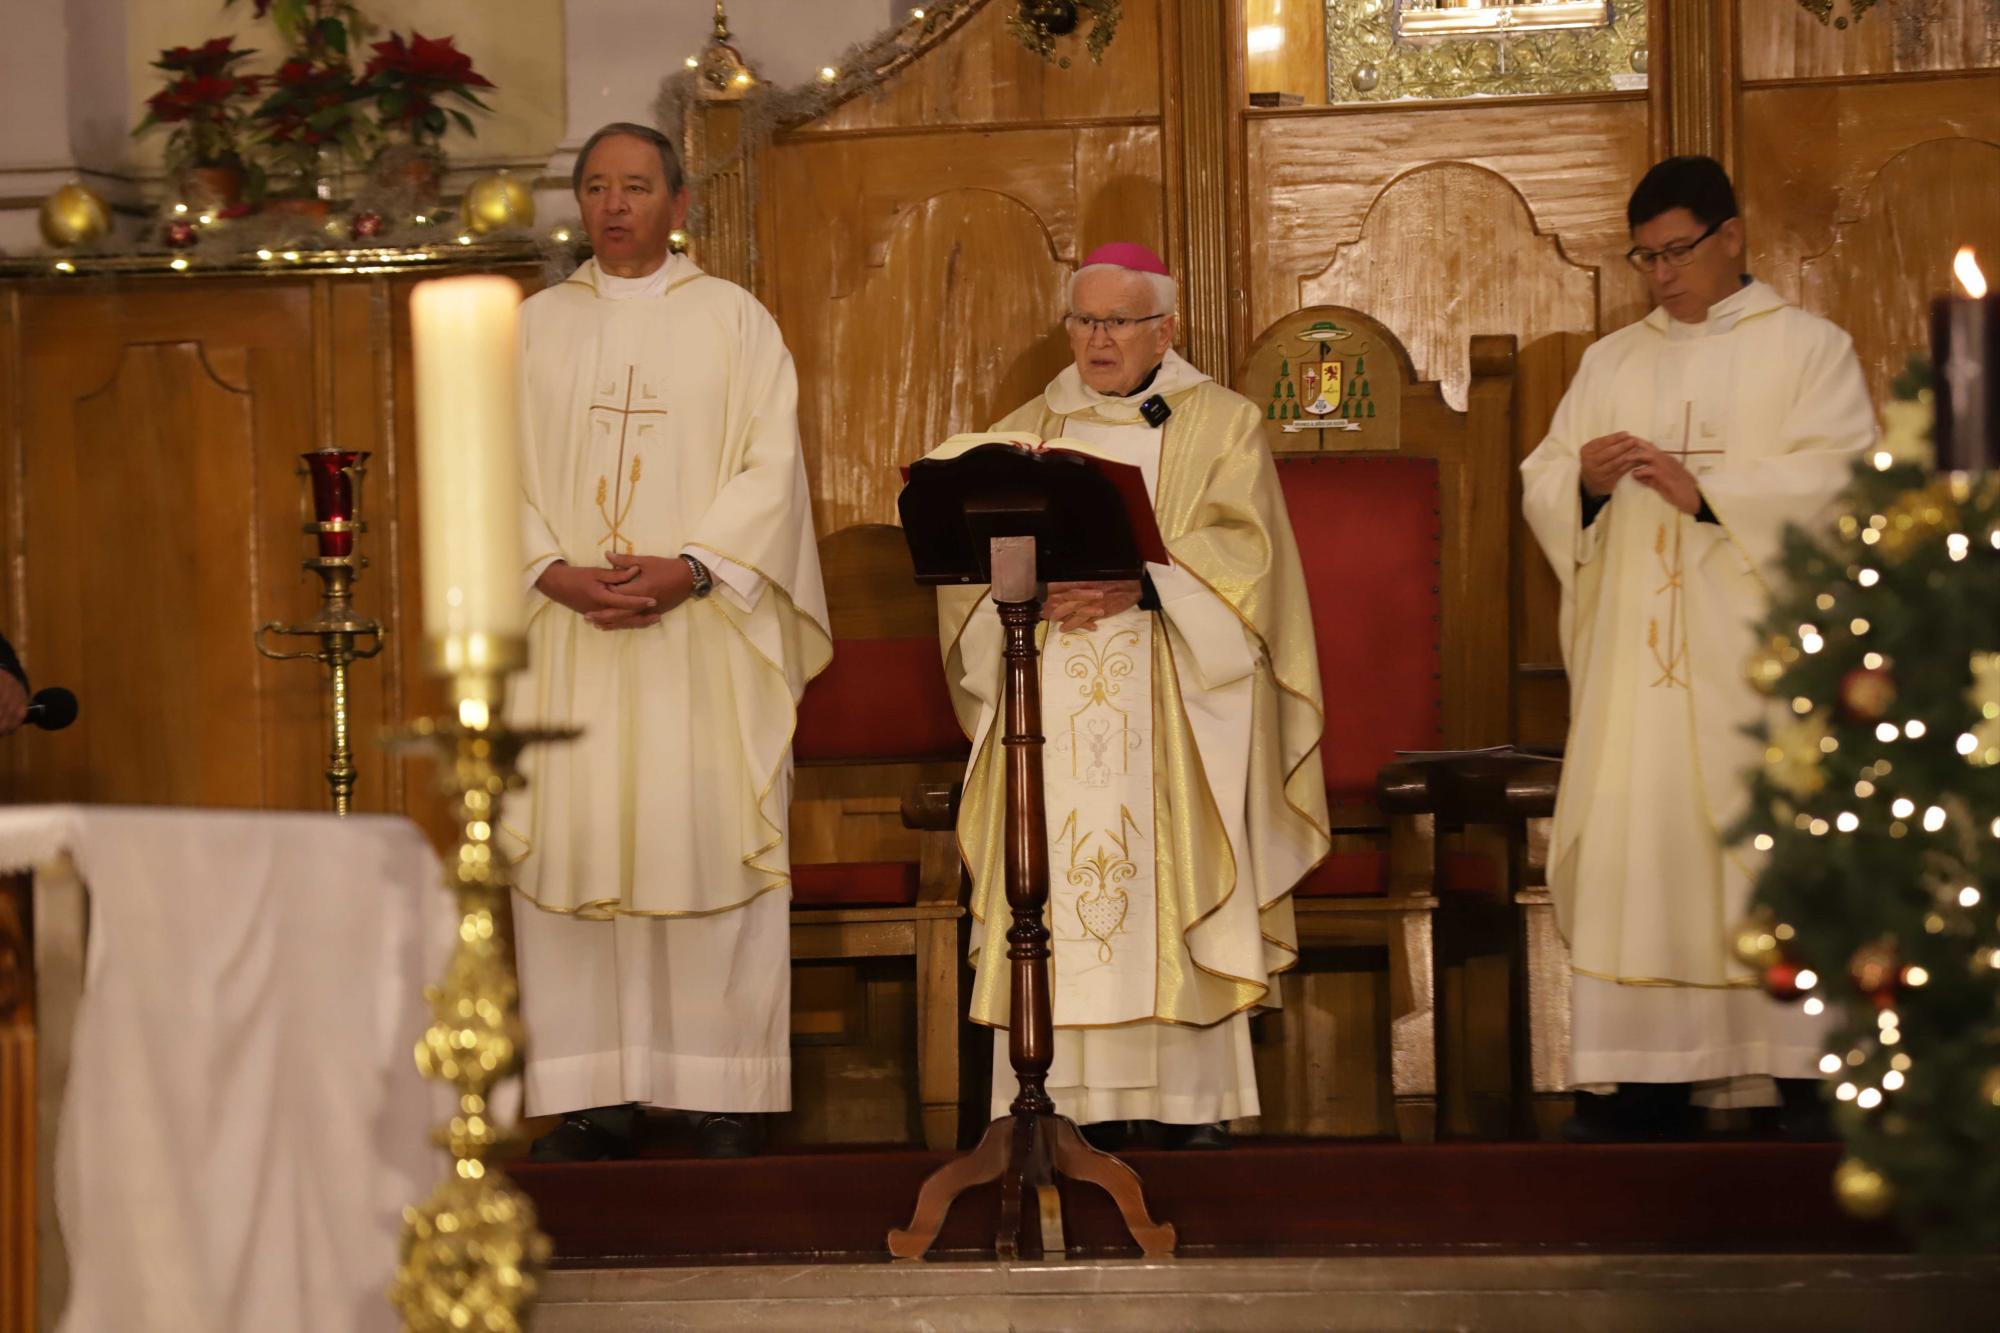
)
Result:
{"points": [[1183, 787], [1686, 444], [680, 616]]}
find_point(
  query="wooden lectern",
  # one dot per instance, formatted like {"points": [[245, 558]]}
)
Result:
{"points": [[1019, 519]]}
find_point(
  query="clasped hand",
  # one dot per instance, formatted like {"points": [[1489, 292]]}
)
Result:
{"points": [[1609, 458], [633, 593], [1079, 606]]}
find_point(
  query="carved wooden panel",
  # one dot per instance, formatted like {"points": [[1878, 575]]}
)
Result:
{"points": [[1780, 40], [1448, 251], [1856, 194], [981, 75], [1878, 278], [919, 283], [1516, 228]]}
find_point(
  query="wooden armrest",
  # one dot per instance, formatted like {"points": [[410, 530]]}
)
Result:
{"points": [[932, 807], [1531, 794], [1405, 789]]}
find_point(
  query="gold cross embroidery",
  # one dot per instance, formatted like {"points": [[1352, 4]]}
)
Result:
{"points": [[1673, 658], [617, 506]]}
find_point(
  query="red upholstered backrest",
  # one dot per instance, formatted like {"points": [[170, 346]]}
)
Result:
{"points": [[1370, 538], [879, 700]]}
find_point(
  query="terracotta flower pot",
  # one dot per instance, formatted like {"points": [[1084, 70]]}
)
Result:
{"points": [[411, 172], [307, 207], [215, 187]]}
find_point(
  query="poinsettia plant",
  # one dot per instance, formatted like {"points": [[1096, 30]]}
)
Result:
{"points": [[206, 101], [315, 104], [316, 100], [411, 80]]}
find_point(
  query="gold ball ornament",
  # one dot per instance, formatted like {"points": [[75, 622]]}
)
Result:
{"points": [[74, 215], [497, 202], [1755, 941], [1989, 1087], [1862, 1190]]}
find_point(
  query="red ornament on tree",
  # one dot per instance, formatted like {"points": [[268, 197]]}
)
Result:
{"points": [[180, 234], [1781, 981], [1875, 972], [1867, 693], [366, 226]]}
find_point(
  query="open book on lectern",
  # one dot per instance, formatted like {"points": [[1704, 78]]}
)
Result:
{"points": [[1089, 512]]}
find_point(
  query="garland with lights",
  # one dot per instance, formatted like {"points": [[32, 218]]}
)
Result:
{"points": [[1878, 807]]}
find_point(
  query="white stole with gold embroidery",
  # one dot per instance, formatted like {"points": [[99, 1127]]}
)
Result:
{"points": [[1097, 710]]}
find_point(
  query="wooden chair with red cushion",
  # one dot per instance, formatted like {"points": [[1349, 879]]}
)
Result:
{"points": [[1403, 529], [876, 736]]}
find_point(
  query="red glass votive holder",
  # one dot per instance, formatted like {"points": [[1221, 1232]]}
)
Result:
{"points": [[334, 476]]}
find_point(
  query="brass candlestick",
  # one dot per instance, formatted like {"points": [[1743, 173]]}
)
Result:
{"points": [[333, 516], [471, 1253]]}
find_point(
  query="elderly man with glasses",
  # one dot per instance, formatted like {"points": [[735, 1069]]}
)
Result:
{"points": [[1685, 446], [1182, 784]]}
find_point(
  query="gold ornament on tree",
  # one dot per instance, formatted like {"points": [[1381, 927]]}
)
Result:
{"points": [[1984, 696], [74, 215], [1862, 1190], [497, 202], [1767, 665], [1792, 759], [1755, 940]]}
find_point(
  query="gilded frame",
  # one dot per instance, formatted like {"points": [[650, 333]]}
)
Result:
{"points": [[1366, 63]]}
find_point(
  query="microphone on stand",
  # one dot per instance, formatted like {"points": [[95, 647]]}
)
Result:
{"points": [[52, 709]]}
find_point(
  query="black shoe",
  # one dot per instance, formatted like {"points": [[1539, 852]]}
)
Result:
{"points": [[726, 1136], [1199, 1138], [600, 1134], [1636, 1113], [1804, 1117], [1107, 1135]]}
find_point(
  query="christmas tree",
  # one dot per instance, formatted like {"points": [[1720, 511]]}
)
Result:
{"points": [[1878, 810]]}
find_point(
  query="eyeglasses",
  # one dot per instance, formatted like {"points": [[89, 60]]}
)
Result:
{"points": [[1679, 255], [1115, 325]]}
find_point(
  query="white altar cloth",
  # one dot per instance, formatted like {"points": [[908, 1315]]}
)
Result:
{"points": [[243, 1121]]}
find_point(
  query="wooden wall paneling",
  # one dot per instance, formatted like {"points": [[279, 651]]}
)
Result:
{"points": [[1780, 40], [1818, 166], [1694, 70], [13, 500], [919, 283], [155, 419], [1297, 63], [1878, 277], [1201, 115], [980, 75], [1313, 178]]}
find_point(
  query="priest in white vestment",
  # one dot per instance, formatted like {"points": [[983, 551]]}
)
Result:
{"points": [[1686, 444], [677, 617], [1183, 786]]}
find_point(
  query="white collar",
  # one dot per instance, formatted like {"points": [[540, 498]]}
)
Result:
{"points": [[1752, 298], [611, 287], [1067, 394]]}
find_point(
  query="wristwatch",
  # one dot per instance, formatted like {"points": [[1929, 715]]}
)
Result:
{"points": [[704, 582]]}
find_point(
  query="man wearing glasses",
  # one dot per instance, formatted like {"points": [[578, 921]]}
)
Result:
{"points": [[1686, 444], [1182, 788]]}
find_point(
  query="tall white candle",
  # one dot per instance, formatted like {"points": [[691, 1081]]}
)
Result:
{"points": [[467, 346]]}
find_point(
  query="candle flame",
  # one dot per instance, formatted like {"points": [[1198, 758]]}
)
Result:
{"points": [[1966, 268]]}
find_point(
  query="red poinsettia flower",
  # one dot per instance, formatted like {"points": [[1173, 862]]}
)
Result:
{"points": [[437, 60]]}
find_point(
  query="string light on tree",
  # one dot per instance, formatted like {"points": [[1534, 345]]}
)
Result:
{"points": [[1875, 817]]}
